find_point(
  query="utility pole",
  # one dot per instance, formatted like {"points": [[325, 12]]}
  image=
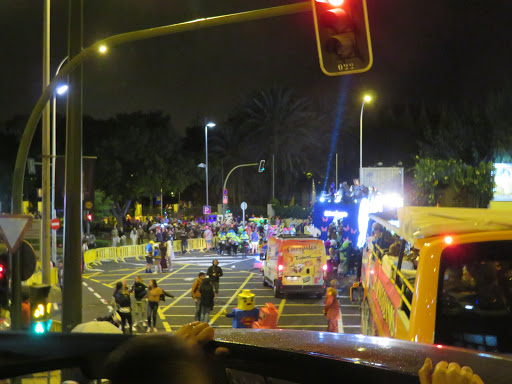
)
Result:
{"points": [[46, 203], [72, 287], [273, 176], [336, 171]]}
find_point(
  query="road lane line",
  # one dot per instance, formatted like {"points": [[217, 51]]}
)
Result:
{"points": [[125, 277], [176, 300], [340, 323], [230, 300], [90, 289], [281, 306], [97, 295], [84, 283], [172, 273]]}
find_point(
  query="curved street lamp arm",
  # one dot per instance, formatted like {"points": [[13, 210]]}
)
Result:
{"points": [[238, 166], [28, 134]]}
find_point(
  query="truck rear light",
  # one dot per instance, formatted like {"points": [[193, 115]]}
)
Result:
{"points": [[280, 268]]}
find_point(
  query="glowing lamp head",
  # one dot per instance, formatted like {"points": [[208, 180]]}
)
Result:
{"points": [[367, 98], [210, 125], [448, 240], [372, 272], [102, 48], [62, 89], [324, 267]]}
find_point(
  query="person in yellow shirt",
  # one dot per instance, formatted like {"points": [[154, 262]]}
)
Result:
{"points": [[155, 293]]}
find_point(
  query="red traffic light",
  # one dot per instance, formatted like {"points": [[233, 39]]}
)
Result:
{"points": [[343, 36], [89, 217], [2, 271]]}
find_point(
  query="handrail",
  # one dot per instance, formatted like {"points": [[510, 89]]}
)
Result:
{"points": [[400, 289]]}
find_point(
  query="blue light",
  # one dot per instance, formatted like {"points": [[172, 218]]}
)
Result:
{"points": [[322, 199]]}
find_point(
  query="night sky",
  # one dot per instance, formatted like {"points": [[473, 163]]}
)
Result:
{"points": [[431, 51]]}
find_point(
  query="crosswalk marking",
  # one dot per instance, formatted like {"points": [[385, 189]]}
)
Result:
{"points": [[207, 260]]}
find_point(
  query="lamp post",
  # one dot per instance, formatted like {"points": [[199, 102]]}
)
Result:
{"points": [[208, 125], [366, 98], [61, 90]]}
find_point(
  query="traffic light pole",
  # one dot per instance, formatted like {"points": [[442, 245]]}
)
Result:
{"points": [[72, 284], [227, 177]]}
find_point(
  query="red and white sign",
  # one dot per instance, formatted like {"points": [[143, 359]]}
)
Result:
{"points": [[13, 228], [55, 224], [224, 199]]}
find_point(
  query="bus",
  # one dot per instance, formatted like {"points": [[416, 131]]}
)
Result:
{"points": [[440, 276]]}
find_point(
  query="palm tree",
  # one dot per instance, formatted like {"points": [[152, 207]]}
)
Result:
{"points": [[285, 125]]}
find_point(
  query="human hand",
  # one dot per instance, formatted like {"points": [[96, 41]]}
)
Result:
{"points": [[445, 373]]}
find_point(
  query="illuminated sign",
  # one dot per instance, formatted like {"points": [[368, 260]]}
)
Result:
{"points": [[336, 214], [503, 180]]}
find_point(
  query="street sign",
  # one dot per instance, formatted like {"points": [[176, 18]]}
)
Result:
{"points": [[207, 210], [55, 224], [244, 207], [224, 199], [13, 228], [225, 192], [88, 204]]}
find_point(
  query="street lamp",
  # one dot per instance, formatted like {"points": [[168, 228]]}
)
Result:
{"points": [[367, 98], [61, 90], [208, 125]]}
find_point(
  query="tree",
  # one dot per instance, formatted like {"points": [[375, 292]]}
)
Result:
{"points": [[453, 183], [271, 122], [139, 156]]}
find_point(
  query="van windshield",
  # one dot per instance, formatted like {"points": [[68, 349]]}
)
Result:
{"points": [[474, 307]]}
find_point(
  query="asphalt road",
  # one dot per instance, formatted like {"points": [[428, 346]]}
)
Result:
{"points": [[295, 312]]}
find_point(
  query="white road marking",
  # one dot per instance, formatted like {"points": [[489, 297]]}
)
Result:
{"points": [[340, 324], [97, 295], [90, 289], [84, 283], [56, 306]]}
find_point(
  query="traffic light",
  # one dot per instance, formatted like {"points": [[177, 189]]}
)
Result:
{"points": [[4, 280], [40, 309], [89, 217], [342, 36], [261, 168]]}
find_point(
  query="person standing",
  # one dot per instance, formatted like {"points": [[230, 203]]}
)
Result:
{"points": [[149, 256], [140, 235], [122, 299], [255, 239], [163, 254], [332, 307], [208, 237], [207, 299], [196, 295], [157, 258], [214, 274], [115, 237], [155, 293], [139, 292], [183, 238], [133, 236]]}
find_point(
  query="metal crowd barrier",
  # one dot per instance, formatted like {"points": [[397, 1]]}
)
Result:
{"points": [[37, 277], [94, 257]]}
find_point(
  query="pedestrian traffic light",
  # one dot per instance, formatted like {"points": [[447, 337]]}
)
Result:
{"points": [[40, 308], [4, 280], [343, 36], [261, 168], [89, 217]]}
